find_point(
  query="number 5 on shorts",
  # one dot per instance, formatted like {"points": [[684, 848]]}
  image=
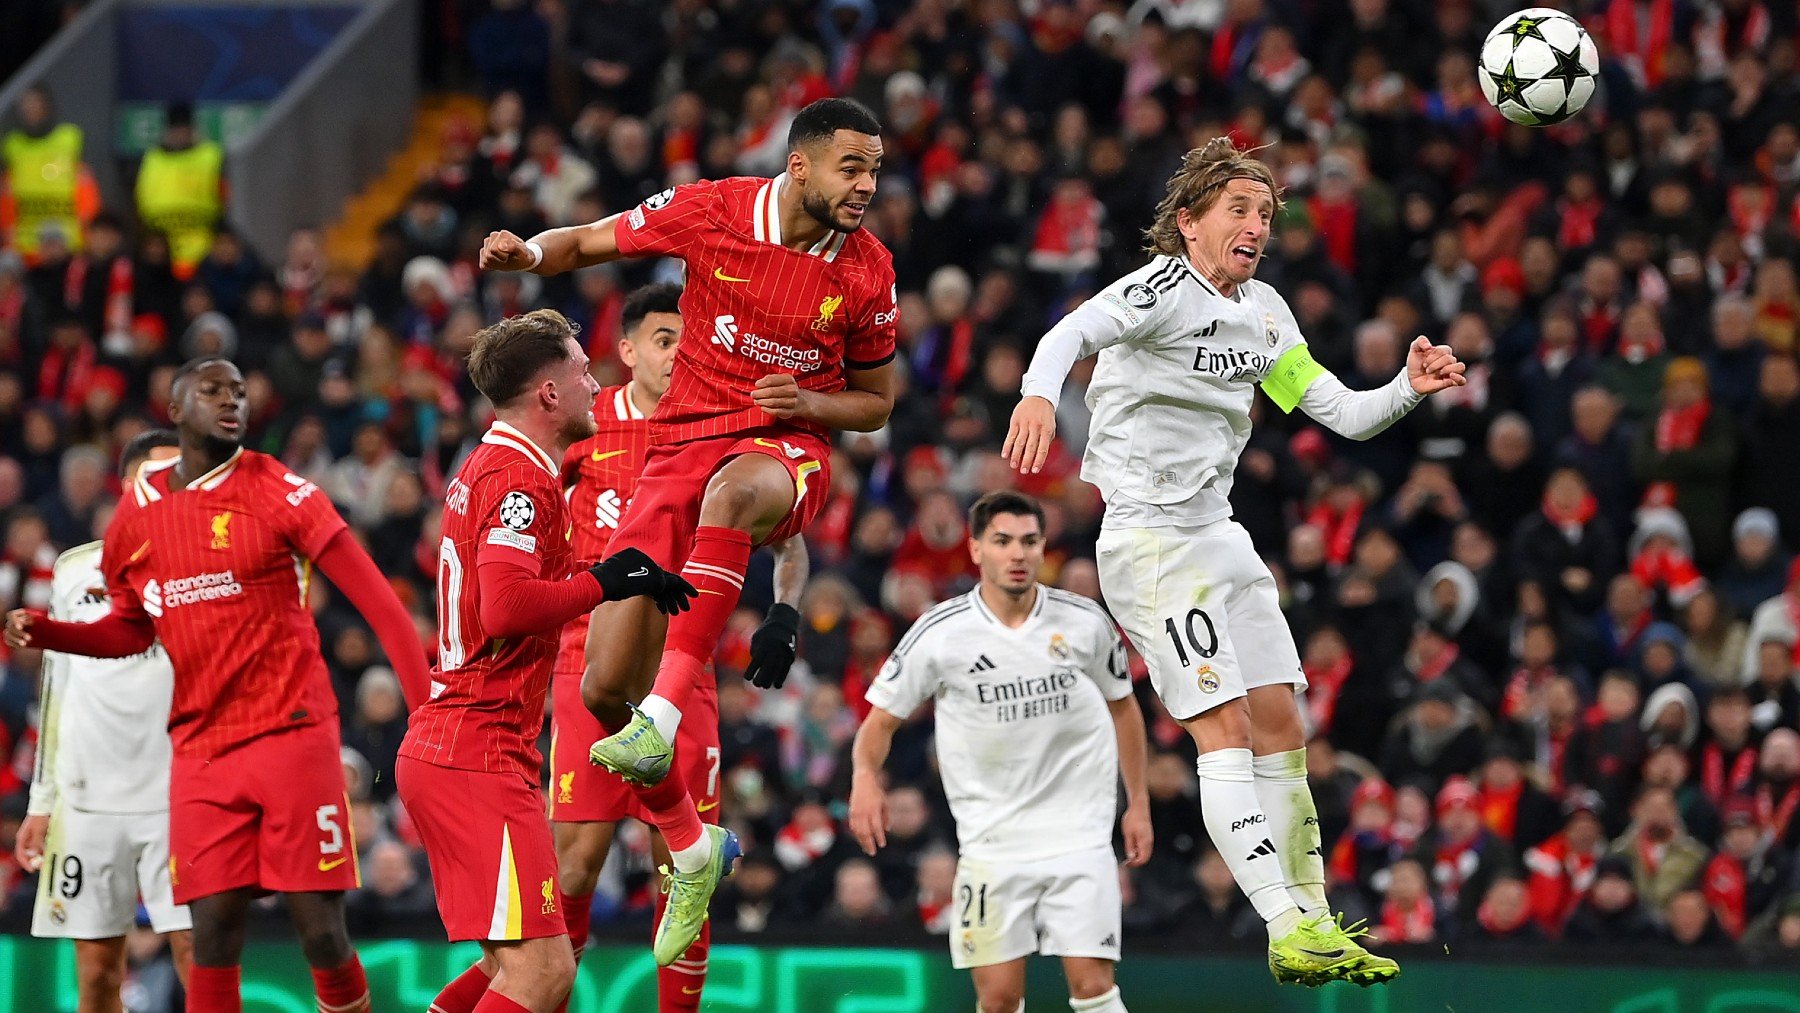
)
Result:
{"points": [[333, 842]]}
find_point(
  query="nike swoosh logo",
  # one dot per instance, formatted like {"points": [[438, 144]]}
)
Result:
{"points": [[598, 456], [706, 807], [139, 554], [719, 273], [692, 991], [705, 591], [325, 866], [642, 571], [1327, 954]]}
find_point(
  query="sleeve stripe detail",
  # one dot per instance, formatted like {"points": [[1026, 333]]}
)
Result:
{"points": [[937, 615], [871, 364], [1167, 277]]}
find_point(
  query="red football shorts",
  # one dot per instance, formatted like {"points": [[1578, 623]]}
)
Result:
{"points": [[493, 863], [581, 792], [270, 814], [665, 509]]}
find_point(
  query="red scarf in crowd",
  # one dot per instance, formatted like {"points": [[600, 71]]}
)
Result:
{"points": [[1339, 529], [1727, 889], [1679, 428], [1574, 522], [1642, 48], [1721, 779], [1580, 224], [1670, 569], [1323, 683], [1500, 809], [1335, 222], [1411, 923], [65, 376], [1776, 814]]}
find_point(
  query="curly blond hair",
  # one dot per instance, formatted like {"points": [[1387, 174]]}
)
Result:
{"points": [[1196, 186]]}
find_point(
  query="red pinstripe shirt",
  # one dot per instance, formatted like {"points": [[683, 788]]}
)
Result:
{"points": [[487, 695], [221, 568], [753, 307]]}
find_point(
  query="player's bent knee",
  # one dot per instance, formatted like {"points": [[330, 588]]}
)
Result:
{"points": [[325, 945], [100, 966], [1226, 726], [1001, 1000]]}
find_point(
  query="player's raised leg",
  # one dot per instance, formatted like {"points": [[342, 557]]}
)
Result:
{"points": [[1279, 742], [1091, 985]]}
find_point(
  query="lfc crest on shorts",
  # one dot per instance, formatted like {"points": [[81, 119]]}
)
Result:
{"points": [[549, 889]]}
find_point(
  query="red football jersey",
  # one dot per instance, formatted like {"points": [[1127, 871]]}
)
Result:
{"points": [[487, 696], [221, 567], [752, 307], [600, 473]]}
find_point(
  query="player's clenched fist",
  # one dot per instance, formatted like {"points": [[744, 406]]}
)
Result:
{"points": [[1028, 438], [629, 573], [778, 394], [18, 627], [503, 251]]}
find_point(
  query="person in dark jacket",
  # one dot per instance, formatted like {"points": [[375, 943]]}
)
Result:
{"points": [[1438, 736], [1462, 856], [1567, 546], [1611, 913], [1685, 455]]}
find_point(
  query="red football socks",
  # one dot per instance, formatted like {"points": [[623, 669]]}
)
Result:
{"points": [[716, 569], [462, 995], [342, 989], [672, 809], [679, 985], [213, 990], [494, 1002]]}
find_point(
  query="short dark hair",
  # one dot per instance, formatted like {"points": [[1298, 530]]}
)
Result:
{"points": [[819, 121], [192, 366], [662, 297], [511, 353], [1003, 501], [140, 446]]}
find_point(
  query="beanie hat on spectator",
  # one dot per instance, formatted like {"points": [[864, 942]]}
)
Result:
{"points": [[1583, 800], [1665, 695], [1661, 520], [1309, 447], [1756, 521], [1615, 866], [1458, 792], [1374, 791], [1739, 812], [1503, 273]]}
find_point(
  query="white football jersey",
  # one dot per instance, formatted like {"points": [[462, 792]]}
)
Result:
{"points": [[103, 725], [1025, 741], [1172, 389]]}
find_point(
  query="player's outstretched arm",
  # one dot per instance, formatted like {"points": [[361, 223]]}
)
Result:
{"points": [[124, 631], [1363, 414], [868, 797], [556, 251], [776, 642], [863, 406], [1086, 329], [1134, 761], [1029, 436], [350, 570]]}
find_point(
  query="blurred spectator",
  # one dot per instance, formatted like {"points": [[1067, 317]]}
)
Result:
{"points": [[1611, 913], [1747, 875], [1689, 922], [1407, 914], [1505, 914], [1462, 856], [1663, 858], [1567, 546], [1686, 456], [1439, 735], [1562, 869], [857, 900], [1777, 790]]}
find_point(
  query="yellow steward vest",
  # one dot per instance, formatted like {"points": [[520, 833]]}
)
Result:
{"points": [[42, 173], [178, 195]]}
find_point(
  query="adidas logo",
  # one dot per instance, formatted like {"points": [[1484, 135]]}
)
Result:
{"points": [[1110, 941], [1267, 847], [982, 664]]}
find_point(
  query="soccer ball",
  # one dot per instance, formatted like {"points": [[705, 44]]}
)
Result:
{"points": [[1538, 67]]}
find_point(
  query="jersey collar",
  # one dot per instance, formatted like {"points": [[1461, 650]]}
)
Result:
{"points": [[502, 435], [765, 221], [981, 608], [1237, 296], [148, 493], [624, 407]]}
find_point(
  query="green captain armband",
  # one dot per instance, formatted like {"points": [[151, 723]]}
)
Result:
{"points": [[1292, 374]]}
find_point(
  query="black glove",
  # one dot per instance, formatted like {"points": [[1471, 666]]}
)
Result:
{"points": [[629, 573], [772, 647]]}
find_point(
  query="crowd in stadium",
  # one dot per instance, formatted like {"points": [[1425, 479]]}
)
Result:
{"points": [[1551, 621]]}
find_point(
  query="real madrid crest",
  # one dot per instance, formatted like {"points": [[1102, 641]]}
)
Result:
{"points": [[1208, 679], [1270, 331], [1059, 647]]}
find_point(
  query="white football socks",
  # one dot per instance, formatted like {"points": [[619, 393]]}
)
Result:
{"points": [[663, 715], [1293, 825], [1240, 830], [694, 857], [1106, 1002]]}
